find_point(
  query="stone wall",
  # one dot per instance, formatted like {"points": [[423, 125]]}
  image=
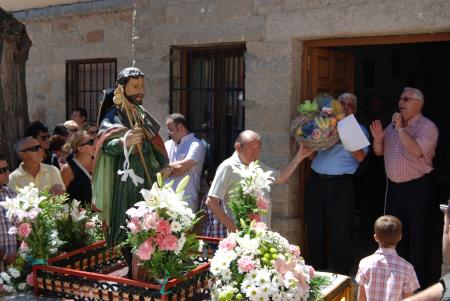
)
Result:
{"points": [[273, 31], [70, 32]]}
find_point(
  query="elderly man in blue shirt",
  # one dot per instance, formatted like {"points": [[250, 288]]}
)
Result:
{"points": [[329, 201]]}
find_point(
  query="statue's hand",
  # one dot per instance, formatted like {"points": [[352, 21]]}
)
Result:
{"points": [[118, 95], [135, 137]]}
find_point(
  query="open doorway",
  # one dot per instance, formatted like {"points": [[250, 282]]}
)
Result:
{"points": [[376, 70]]}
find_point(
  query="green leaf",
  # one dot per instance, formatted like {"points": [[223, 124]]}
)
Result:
{"points": [[182, 185]]}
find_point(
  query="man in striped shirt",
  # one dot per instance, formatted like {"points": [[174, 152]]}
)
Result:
{"points": [[8, 243]]}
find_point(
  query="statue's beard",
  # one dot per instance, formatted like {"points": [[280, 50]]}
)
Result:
{"points": [[135, 99]]}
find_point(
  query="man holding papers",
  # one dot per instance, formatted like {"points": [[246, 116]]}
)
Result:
{"points": [[330, 192], [408, 145]]}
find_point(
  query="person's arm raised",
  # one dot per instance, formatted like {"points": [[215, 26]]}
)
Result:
{"points": [[302, 153], [376, 128]]}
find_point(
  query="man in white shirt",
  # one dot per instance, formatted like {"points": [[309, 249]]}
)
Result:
{"points": [[32, 170], [248, 148], [186, 155]]}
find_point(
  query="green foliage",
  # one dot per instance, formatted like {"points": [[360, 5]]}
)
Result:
{"points": [[78, 234], [317, 283], [242, 205], [40, 240]]}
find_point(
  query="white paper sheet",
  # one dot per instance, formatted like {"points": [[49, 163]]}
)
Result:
{"points": [[351, 134]]}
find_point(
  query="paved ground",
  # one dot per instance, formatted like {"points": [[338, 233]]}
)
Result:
{"points": [[24, 297]]}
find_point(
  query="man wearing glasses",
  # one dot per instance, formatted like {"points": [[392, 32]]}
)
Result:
{"points": [[32, 170], [329, 199], [408, 145], [38, 131], [8, 243]]}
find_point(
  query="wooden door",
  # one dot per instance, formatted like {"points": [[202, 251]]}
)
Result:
{"points": [[324, 71], [330, 72]]}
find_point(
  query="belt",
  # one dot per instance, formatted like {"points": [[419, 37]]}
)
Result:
{"points": [[325, 176]]}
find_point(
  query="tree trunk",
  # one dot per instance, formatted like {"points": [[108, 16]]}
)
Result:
{"points": [[14, 48]]}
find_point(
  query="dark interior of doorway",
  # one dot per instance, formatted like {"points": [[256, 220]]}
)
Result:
{"points": [[381, 72]]}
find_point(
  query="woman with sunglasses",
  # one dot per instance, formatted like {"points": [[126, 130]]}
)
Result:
{"points": [[76, 173]]}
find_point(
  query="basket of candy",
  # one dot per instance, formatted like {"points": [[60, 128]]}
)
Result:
{"points": [[316, 124]]}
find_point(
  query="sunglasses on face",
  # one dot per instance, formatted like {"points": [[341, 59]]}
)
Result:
{"points": [[90, 142], [4, 169], [32, 149], [73, 130]]}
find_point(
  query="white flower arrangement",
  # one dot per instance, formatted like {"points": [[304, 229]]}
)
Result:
{"points": [[33, 214], [254, 180], [13, 281], [256, 264], [247, 200], [159, 230]]}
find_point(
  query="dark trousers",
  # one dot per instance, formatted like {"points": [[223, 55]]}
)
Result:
{"points": [[411, 203], [329, 202]]}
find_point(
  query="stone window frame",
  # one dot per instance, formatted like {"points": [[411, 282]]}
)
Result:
{"points": [[222, 82]]}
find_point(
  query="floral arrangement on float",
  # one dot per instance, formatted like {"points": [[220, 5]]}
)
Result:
{"points": [[77, 226], [247, 197], [254, 263], [316, 125], [160, 233], [41, 221], [257, 264]]}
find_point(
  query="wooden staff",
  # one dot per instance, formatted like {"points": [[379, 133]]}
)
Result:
{"points": [[139, 146]]}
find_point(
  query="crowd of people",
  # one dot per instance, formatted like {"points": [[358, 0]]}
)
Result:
{"points": [[92, 164]]}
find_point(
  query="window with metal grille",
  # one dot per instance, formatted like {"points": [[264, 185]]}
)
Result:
{"points": [[85, 82], [207, 86]]}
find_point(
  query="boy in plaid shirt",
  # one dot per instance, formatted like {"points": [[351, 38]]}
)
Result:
{"points": [[384, 275]]}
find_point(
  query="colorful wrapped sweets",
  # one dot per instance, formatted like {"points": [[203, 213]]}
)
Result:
{"points": [[316, 125]]}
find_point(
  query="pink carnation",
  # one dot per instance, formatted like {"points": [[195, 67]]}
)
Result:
{"points": [[255, 217], [150, 221], [311, 272], [295, 250], [30, 279], [166, 243], [24, 230], [163, 227], [145, 251], [262, 203], [246, 264], [134, 225], [227, 244], [24, 246], [259, 226], [90, 225]]}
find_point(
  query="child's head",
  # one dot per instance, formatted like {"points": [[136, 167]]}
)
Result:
{"points": [[388, 231]]}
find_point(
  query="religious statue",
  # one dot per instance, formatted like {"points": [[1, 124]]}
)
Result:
{"points": [[129, 153]]}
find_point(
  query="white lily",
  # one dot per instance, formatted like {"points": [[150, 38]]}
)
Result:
{"points": [[11, 206], [77, 215]]}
